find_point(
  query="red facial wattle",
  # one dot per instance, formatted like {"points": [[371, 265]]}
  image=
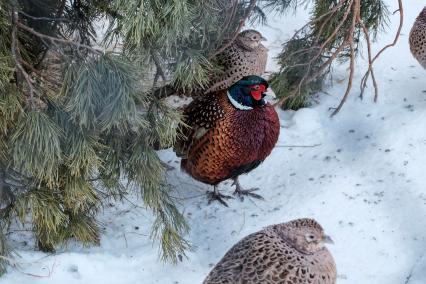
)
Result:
{"points": [[257, 91]]}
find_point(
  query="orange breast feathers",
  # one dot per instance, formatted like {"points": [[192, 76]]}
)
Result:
{"points": [[217, 149]]}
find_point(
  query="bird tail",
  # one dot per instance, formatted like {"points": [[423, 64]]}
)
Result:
{"points": [[183, 165]]}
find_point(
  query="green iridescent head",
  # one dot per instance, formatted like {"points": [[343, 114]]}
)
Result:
{"points": [[248, 93]]}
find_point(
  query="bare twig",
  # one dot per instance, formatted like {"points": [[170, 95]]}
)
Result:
{"points": [[320, 50], [354, 6], [41, 18], [229, 16], [296, 91], [410, 274], [15, 264], [59, 40], [370, 65], [159, 70], [298, 146], [364, 79], [125, 239], [356, 10], [139, 234], [39, 73], [244, 222], [240, 26], [54, 26], [317, 19], [17, 56]]}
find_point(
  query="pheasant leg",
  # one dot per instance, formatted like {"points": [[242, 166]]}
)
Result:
{"points": [[217, 196], [241, 192]]}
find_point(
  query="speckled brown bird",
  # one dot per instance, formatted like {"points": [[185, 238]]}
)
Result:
{"points": [[417, 38], [244, 57], [287, 253], [230, 133]]}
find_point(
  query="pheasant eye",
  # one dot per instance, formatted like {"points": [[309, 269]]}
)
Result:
{"points": [[257, 87], [309, 237]]}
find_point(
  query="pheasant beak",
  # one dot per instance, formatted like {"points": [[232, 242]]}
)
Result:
{"points": [[270, 95], [263, 38], [327, 240]]}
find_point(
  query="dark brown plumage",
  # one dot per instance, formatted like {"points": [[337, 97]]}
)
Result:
{"points": [[230, 133], [287, 253]]}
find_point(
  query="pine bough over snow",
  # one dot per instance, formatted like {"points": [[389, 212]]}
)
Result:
{"points": [[78, 121]]}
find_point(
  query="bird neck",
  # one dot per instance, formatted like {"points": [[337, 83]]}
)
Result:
{"points": [[241, 99], [245, 45], [286, 233], [236, 103]]}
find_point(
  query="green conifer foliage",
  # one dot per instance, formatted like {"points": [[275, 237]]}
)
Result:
{"points": [[78, 121], [306, 58]]}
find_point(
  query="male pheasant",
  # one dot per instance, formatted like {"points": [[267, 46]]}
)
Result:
{"points": [[245, 56], [292, 252], [230, 133], [417, 38]]}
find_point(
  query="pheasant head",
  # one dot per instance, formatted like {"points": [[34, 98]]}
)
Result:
{"points": [[248, 93], [306, 235], [249, 39]]}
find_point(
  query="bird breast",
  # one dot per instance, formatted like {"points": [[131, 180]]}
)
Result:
{"points": [[256, 130]]}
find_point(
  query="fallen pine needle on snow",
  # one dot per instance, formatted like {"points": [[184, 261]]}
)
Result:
{"points": [[298, 146]]}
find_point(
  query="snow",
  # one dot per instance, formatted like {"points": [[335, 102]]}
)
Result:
{"points": [[362, 177]]}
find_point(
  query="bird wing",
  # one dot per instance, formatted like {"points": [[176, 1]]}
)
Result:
{"points": [[262, 258], [249, 261], [229, 268], [199, 116]]}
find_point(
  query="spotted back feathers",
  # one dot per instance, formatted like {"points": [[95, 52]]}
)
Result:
{"points": [[237, 62], [417, 38], [266, 257], [199, 116]]}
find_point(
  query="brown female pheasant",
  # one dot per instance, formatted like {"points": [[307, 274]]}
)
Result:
{"points": [[230, 133], [245, 56], [417, 38], [290, 253]]}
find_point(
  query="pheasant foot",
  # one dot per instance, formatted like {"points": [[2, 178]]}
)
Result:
{"points": [[241, 192], [215, 195]]}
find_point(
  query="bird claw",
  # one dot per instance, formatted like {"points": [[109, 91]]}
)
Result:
{"points": [[216, 196], [247, 192]]}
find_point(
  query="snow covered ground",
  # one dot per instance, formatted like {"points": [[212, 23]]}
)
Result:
{"points": [[365, 182]]}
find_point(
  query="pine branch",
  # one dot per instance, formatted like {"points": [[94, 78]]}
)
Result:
{"points": [[330, 40], [59, 13], [17, 56], [42, 18], [240, 26], [63, 162], [59, 40]]}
